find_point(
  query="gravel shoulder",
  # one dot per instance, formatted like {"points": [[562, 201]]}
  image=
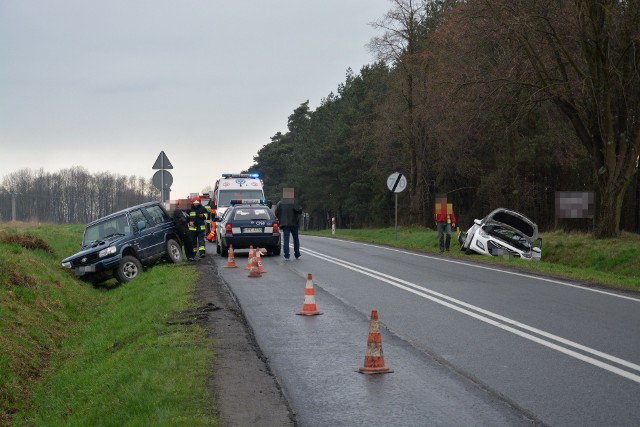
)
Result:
{"points": [[245, 390]]}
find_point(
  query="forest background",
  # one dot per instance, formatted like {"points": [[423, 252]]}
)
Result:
{"points": [[493, 103]]}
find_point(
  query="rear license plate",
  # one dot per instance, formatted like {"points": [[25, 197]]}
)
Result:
{"points": [[252, 230]]}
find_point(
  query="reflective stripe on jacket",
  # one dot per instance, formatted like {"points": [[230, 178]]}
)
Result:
{"points": [[448, 218]]}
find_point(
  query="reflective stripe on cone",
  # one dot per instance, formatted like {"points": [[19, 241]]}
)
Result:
{"points": [[374, 358], [309, 307]]}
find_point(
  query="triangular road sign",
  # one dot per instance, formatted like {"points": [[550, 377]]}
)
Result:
{"points": [[162, 162]]}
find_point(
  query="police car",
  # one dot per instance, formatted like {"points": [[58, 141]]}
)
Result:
{"points": [[247, 223]]}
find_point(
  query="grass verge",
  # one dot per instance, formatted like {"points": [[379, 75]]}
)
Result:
{"points": [[574, 256], [73, 354]]}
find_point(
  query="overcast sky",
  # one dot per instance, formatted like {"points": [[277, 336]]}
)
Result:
{"points": [[108, 85]]}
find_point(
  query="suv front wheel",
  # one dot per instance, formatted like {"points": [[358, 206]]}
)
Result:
{"points": [[128, 269]]}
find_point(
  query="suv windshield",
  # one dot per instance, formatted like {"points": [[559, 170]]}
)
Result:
{"points": [[114, 226]]}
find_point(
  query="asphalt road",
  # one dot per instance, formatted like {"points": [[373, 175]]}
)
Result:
{"points": [[469, 344]]}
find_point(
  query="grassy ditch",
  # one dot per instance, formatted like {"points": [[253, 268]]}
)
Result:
{"points": [[74, 354], [576, 256]]}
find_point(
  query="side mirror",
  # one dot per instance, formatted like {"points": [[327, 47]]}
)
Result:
{"points": [[538, 244], [142, 225]]}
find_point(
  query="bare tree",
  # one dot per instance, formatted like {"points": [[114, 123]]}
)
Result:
{"points": [[584, 57], [403, 28], [71, 195]]}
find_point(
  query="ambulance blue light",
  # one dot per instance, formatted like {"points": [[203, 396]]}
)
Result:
{"points": [[240, 175]]}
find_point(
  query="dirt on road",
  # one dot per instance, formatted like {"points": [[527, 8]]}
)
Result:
{"points": [[245, 390]]}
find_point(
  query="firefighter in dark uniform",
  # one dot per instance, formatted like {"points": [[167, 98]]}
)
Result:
{"points": [[182, 224], [198, 225]]}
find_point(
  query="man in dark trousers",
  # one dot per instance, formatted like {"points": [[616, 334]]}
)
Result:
{"points": [[198, 225], [182, 224], [445, 219], [288, 213]]}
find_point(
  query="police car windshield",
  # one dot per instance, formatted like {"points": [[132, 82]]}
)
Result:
{"points": [[226, 196]]}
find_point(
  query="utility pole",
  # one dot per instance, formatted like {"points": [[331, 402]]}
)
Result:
{"points": [[13, 206]]}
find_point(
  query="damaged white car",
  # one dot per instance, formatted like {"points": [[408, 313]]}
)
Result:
{"points": [[503, 233]]}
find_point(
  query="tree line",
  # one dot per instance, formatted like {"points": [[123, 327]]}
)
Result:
{"points": [[493, 103], [70, 196]]}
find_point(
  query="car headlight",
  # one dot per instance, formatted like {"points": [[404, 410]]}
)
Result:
{"points": [[479, 244], [108, 251], [483, 233], [66, 264]]}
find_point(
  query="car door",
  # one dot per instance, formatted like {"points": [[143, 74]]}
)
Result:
{"points": [[159, 221], [144, 243]]}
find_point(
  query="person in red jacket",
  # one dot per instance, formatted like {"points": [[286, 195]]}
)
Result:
{"points": [[445, 220]]}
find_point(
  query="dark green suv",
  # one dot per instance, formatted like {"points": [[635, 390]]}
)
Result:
{"points": [[119, 245]]}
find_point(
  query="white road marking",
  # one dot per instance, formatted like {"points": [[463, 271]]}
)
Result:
{"points": [[500, 321], [544, 279]]}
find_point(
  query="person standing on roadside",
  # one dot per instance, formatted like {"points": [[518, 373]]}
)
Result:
{"points": [[445, 220], [288, 213], [198, 225], [182, 225]]}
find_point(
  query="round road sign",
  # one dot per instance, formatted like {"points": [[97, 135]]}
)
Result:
{"points": [[397, 182]]}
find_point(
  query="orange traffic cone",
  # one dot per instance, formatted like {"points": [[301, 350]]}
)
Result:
{"points": [[231, 260], [211, 237], [309, 307], [373, 358], [250, 257], [259, 258], [254, 271]]}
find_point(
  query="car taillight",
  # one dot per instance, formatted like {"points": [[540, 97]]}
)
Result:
{"points": [[275, 227], [228, 229]]}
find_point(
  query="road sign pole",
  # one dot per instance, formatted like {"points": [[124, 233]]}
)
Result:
{"points": [[396, 223], [396, 182]]}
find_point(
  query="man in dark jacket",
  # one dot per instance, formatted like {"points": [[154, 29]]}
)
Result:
{"points": [[182, 224], [288, 213], [197, 225]]}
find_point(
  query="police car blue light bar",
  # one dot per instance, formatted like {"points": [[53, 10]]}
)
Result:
{"points": [[247, 202]]}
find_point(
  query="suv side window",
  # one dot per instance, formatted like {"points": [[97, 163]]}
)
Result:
{"points": [[137, 215], [157, 214]]}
